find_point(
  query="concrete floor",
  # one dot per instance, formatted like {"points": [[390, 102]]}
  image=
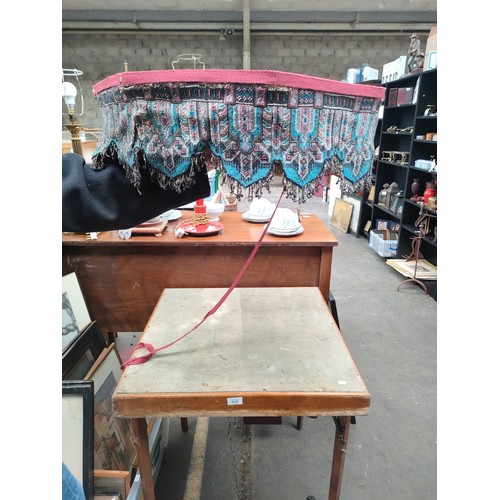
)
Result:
{"points": [[391, 452]]}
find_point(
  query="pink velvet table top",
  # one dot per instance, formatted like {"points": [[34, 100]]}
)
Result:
{"points": [[264, 77]]}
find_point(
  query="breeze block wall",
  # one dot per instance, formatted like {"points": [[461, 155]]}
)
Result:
{"points": [[323, 55]]}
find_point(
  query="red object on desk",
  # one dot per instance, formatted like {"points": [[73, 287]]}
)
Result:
{"points": [[200, 208]]}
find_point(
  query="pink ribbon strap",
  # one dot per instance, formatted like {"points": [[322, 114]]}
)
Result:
{"points": [[151, 350]]}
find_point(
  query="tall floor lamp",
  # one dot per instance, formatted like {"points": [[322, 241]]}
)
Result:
{"points": [[70, 94]]}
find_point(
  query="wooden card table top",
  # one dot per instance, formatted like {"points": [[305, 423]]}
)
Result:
{"points": [[236, 232], [264, 352]]}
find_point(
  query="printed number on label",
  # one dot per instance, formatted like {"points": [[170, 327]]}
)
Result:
{"points": [[234, 401]]}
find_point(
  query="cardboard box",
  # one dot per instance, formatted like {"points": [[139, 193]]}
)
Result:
{"points": [[353, 75], [394, 70], [430, 60], [368, 74]]}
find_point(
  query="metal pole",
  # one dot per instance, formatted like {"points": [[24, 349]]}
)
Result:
{"points": [[75, 129], [246, 34]]}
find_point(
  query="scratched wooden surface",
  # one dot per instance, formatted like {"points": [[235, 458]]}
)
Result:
{"points": [[276, 348], [122, 280], [236, 232]]}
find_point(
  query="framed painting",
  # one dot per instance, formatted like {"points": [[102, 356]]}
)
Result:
{"points": [[75, 315], [341, 216], [82, 353], [78, 431], [113, 438]]}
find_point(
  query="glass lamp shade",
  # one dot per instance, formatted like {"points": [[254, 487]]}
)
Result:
{"points": [[69, 93]]}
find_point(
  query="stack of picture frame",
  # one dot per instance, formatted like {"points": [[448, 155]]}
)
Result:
{"points": [[82, 353], [78, 431], [75, 314], [342, 213], [97, 447]]}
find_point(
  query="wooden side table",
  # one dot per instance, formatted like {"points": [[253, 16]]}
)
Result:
{"points": [[265, 352]]}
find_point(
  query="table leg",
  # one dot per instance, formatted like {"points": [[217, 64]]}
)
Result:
{"points": [[184, 424], [342, 425], [325, 270], [140, 429], [111, 337]]}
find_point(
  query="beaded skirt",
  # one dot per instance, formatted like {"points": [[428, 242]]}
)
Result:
{"points": [[252, 122]]}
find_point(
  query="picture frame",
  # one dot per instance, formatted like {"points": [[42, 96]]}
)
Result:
{"points": [[124, 483], [371, 195], [421, 269], [382, 224], [112, 482], [75, 314], [82, 353], [78, 431], [356, 210], [341, 216], [113, 438]]}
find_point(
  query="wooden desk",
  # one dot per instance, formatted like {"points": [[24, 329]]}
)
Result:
{"points": [[122, 280], [265, 352]]}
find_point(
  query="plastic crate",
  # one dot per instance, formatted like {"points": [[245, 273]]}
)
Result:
{"points": [[384, 242]]}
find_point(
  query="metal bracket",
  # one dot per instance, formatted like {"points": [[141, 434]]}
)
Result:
{"points": [[340, 429]]}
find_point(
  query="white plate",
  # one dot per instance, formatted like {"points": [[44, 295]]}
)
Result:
{"points": [[285, 229], [275, 232], [251, 214], [172, 215], [255, 218], [188, 206]]}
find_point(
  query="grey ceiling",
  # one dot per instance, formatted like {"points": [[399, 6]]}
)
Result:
{"points": [[277, 15]]}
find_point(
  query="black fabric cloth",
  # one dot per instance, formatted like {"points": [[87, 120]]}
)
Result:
{"points": [[104, 200]]}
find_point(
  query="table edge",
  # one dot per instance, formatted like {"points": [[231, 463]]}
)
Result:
{"points": [[216, 403]]}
